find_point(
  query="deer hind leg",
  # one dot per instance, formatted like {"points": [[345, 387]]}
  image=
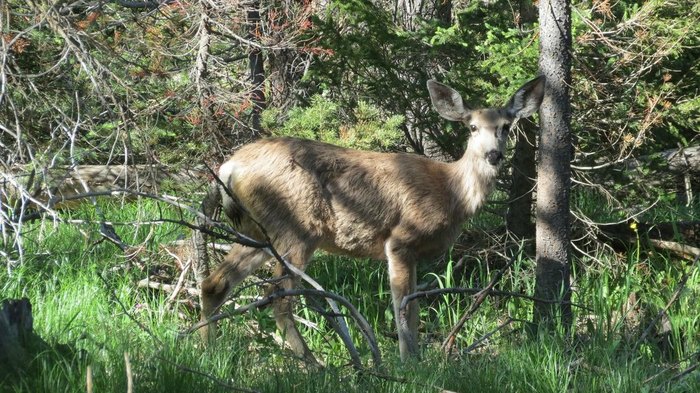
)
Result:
{"points": [[402, 280], [284, 307], [238, 264]]}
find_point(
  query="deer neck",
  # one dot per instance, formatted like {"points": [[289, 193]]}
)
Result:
{"points": [[472, 181]]}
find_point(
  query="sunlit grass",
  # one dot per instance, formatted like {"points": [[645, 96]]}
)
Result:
{"points": [[87, 306]]}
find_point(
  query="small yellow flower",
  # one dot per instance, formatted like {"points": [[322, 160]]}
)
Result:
{"points": [[633, 226]]}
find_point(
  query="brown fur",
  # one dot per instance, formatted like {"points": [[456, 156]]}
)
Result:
{"points": [[402, 208]]}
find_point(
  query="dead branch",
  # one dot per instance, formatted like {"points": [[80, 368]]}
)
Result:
{"points": [[180, 283], [488, 335], [88, 379], [59, 183], [675, 237], [680, 249], [129, 375], [360, 320], [474, 291], [127, 313], [685, 372], [209, 226], [168, 288], [392, 378], [448, 344]]}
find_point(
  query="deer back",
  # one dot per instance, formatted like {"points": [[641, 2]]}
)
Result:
{"points": [[339, 199]]}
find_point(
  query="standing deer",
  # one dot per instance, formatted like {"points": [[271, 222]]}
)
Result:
{"points": [[398, 207]]}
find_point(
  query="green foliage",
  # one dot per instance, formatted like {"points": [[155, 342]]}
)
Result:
{"points": [[130, 89], [323, 120], [371, 59], [645, 69]]}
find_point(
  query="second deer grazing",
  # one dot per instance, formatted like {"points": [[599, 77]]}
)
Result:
{"points": [[397, 207]]}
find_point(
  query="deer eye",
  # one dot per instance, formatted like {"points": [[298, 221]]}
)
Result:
{"points": [[473, 128]]}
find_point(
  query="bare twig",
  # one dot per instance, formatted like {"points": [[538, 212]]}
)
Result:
{"points": [[392, 378], [474, 291], [129, 376], [448, 344], [360, 320], [488, 335], [128, 314], [88, 379], [180, 282], [685, 372], [694, 357], [147, 283]]}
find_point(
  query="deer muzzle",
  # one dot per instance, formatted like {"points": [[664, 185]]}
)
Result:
{"points": [[494, 157]]}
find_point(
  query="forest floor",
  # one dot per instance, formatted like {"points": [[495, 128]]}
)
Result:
{"points": [[103, 327]]}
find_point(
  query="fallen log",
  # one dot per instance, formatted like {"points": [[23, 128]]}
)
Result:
{"points": [[681, 238], [682, 160], [58, 183]]}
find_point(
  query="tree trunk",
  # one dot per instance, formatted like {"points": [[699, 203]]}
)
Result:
{"points": [[519, 218], [527, 13], [287, 65], [554, 167], [201, 71], [406, 12], [257, 70], [209, 208], [443, 12], [18, 342]]}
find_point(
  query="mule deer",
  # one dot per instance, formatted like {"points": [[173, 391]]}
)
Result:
{"points": [[398, 207]]}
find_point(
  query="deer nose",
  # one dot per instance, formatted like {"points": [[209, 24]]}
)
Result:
{"points": [[494, 157]]}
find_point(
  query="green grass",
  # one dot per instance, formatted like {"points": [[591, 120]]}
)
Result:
{"points": [[86, 304]]}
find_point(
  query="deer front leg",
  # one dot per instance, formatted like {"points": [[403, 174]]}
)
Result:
{"points": [[402, 280], [284, 307], [238, 264]]}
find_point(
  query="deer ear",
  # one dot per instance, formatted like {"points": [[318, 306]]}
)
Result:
{"points": [[527, 100], [447, 101]]}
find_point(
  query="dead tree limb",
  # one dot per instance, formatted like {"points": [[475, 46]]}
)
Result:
{"points": [[60, 183], [448, 344], [362, 324], [675, 237]]}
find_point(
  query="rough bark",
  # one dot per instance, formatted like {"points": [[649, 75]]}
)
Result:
{"points": [[406, 13], [257, 70], [443, 12], [209, 208], [554, 168], [287, 65], [519, 218], [201, 70]]}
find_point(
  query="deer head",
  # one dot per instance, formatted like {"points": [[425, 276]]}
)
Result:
{"points": [[489, 127]]}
